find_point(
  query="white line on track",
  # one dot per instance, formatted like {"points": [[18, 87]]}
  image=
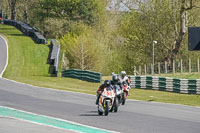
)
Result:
{"points": [[1, 74], [76, 123]]}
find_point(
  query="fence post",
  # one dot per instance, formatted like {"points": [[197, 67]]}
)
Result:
{"points": [[140, 70], [166, 67], [145, 69], [181, 66], [135, 71], [174, 69], [189, 65], [198, 64], [158, 67]]}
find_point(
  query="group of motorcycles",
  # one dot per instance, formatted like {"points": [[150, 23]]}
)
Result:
{"points": [[112, 97]]}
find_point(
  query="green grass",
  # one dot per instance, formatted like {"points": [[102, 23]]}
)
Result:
{"points": [[27, 63], [25, 57], [166, 97], [182, 76]]}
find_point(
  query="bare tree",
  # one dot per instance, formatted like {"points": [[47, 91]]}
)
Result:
{"points": [[186, 5], [25, 7], [12, 4]]}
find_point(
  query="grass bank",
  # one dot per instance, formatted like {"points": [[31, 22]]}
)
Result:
{"points": [[28, 64], [183, 76]]}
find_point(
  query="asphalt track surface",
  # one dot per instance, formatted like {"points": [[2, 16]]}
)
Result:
{"points": [[8, 125], [134, 117]]}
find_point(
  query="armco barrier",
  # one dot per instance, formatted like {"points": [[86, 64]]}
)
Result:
{"points": [[27, 30], [82, 75], [187, 86], [54, 57]]}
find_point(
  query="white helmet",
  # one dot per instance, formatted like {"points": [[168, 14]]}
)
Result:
{"points": [[123, 72]]}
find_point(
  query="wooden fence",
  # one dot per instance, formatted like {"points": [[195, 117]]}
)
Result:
{"points": [[176, 66]]}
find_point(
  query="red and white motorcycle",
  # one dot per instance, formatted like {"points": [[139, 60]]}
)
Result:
{"points": [[126, 89], [106, 101]]}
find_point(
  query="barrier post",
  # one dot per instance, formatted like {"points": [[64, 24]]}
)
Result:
{"points": [[181, 66], [165, 67], [198, 64], [174, 69], [189, 65]]}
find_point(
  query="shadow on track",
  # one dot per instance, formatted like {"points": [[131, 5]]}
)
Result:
{"points": [[90, 113]]}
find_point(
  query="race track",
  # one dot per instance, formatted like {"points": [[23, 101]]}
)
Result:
{"points": [[3, 55], [134, 117]]}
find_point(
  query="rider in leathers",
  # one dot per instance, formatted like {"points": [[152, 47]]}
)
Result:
{"points": [[101, 89], [124, 78], [116, 81]]}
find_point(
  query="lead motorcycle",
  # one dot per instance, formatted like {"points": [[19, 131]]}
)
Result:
{"points": [[126, 89], [106, 101]]}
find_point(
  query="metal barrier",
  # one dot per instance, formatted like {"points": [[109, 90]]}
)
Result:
{"points": [[54, 57], [187, 86], [27, 30], [85, 75]]}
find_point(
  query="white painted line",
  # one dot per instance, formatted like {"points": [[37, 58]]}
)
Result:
{"points": [[58, 119], [1, 74]]}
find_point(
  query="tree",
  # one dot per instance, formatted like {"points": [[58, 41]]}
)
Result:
{"points": [[12, 4], [83, 49], [161, 20], [179, 34], [151, 21], [90, 12]]}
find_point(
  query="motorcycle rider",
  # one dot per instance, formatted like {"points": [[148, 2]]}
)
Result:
{"points": [[116, 80], [101, 89], [124, 78]]}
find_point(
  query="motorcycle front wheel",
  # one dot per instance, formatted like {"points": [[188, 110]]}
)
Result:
{"points": [[106, 108], [116, 104]]}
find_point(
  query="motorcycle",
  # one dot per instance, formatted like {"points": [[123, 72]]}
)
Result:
{"points": [[118, 97], [106, 101], [126, 89]]}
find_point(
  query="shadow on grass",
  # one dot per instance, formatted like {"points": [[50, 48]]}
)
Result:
{"points": [[1, 29], [38, 75], [16, 34]]}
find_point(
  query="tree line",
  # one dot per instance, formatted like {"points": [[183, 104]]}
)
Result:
{"points": [[111, 35]]}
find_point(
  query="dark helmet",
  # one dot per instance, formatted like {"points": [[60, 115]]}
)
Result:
{"points": [[115, 78], [107, 83]]}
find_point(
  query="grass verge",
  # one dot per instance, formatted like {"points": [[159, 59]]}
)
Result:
{"points": [[183, 76], [27, 64]]}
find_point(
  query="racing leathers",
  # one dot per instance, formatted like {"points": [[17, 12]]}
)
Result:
{"points": [[99, 92], [126, 79]]}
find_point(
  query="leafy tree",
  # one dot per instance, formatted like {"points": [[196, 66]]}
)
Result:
{"points": [[161, 20], [90, 12], [82, 49]]}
